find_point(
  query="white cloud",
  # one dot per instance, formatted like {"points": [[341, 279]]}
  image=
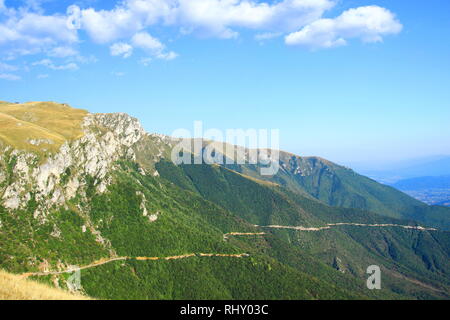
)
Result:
{"points": [[42, 76], [145, 61], [121, 49], [43, 27], [267, 36], [33, 28], [220, 17], [167, 55], [31, 32], [213, 18], [125, 27], [85, 60], [151, 45], [106, 26], [63, 52], [145, 41], [49, 64], [68, 66], [369, 24], [7, 34], [7, 67], [9, 77]]}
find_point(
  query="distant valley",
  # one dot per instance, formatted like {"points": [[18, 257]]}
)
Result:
{"points": [[431, 190], [425, 179]]}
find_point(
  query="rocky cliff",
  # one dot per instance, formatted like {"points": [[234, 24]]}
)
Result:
{"points": [[51, 179]]}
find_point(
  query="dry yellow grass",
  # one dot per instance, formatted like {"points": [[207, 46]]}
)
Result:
{"points": [[262, 182], [19, 134], [259, 181], [39, 121], [14, 287]]}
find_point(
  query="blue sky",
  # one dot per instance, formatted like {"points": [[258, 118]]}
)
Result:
{"points": [[352, 81]]}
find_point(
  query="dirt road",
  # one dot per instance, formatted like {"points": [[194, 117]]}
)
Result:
{"points": [[222, 255], [331, 225], [106, 261]]}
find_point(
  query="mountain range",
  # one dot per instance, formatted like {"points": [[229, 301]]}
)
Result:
{"points": [[96, 193]]}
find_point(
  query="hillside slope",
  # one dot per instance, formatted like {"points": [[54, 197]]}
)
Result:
{"points": [[13, 287], [39, 126], [110, 202], [353, 245], [342, 187]]}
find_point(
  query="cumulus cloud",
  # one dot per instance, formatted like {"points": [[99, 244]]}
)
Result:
{"points": [[34, 29], [302, 20], [121, 49], [32, 32], [147, 42], [49, 64], [152, 46], [127, 26], [215, 18], [369, 24], [221, 17], [105, 26]]}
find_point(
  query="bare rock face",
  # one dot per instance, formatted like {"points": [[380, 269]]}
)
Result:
{"points": [[62, 176], [16, 193], [127, 129]]}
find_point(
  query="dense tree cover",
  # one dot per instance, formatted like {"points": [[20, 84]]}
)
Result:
{"points": [[422, 255], [342, 187], [26, 243], [188, 210]]}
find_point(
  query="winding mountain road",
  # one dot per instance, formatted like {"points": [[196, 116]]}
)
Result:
{"points": [[225, 238], [331, 225], [106, 261]]}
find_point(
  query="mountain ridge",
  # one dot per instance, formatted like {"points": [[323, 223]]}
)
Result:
{"points": [[113, 192]]}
